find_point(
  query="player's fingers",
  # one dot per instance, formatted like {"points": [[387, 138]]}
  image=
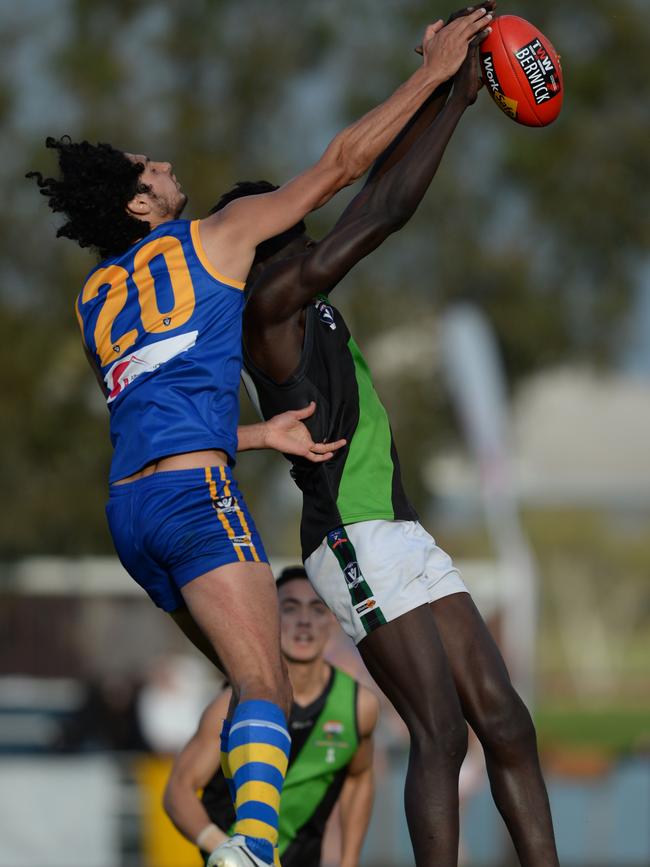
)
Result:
{"points": [[480, 37], [305, 412], [429, 33], [488, 5], [322, 448], [476, 21], [460, 14], [432, 29], [319, 459], [470, 21]]}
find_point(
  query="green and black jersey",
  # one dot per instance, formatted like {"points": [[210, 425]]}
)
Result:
{"points": [[362, 482], [324, 738]]}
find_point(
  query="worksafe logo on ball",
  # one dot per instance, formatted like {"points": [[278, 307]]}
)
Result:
{"points": [[508, 105], [540, 71]]}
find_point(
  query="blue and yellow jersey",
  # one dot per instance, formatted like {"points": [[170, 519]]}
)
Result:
{"points": [[164, 328]]}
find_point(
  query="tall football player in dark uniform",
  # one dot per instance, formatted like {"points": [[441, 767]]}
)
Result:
{"points": [[392, 589], [331, 724]]}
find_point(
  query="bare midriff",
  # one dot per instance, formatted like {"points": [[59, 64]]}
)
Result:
{"points": [[185, 461]]}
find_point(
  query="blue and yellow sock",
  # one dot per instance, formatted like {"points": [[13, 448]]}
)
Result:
{"points": [[225, 764], [259, 745]]}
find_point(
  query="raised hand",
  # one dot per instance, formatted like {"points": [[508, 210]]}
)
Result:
{"points": [[489, 6], [445, 46], [286, 433], [467, 81]]}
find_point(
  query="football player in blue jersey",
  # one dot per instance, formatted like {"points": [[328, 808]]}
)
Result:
{"points": [[160, 317]]}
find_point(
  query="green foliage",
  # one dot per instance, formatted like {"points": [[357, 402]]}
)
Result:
{"points": [[611, 731]]}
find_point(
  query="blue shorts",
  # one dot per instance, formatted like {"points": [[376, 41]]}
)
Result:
{"points": [[171, 527]]}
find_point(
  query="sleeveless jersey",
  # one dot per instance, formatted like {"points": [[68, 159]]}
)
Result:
{"points": [[362, 482], [164, 329], [324, 737]]}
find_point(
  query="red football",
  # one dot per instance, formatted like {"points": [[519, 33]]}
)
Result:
{"points": [[522, 71]]}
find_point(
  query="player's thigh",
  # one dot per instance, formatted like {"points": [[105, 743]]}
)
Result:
{"points": [[479, 671], [189, 627], [407, 659], [236, 608]]}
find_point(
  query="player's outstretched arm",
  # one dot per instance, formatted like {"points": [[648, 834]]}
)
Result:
{"points": [[358, 789], [286, 433], [195, 766], [380, 209], [425, 115], [230, 236]]}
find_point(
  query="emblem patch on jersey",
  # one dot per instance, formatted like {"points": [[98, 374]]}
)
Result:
{"points": [[146, 359], [325, 314], [333, 727]]}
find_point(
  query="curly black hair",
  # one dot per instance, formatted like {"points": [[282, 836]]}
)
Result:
{"points": [[96, 184], [253, 188]]}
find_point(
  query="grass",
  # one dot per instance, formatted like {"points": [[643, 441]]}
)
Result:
{"points": [[608, 730]]}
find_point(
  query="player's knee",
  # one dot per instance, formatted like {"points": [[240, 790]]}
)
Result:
{"points": [[444, 746], [453, 743], [508, 730]]}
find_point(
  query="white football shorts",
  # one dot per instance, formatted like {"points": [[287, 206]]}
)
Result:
{"points": [[372, 572]]}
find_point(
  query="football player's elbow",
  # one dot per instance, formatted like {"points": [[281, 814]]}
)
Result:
{"points": [[173, 792], [394, 218], [168, 799]]}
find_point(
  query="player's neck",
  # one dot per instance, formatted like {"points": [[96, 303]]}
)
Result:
{"points": [[308, 680]]}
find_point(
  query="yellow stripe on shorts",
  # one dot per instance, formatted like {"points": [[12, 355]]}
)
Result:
{"points": [[225, 523], [240, 514]]}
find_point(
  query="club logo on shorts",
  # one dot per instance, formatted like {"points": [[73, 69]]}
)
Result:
{"points": [[241, 540], [366, 606], [224, 504], [337, 537], [353, 576], [539, 70], [325, 314]]}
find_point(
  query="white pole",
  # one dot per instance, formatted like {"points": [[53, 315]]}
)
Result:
{"points": [[475, 376]]}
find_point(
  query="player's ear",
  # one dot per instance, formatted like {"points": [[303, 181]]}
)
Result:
{"points": [[139, 206]]}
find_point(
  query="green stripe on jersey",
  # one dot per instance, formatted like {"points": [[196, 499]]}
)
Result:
{"points": [[329, 748], [368, 474]]}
